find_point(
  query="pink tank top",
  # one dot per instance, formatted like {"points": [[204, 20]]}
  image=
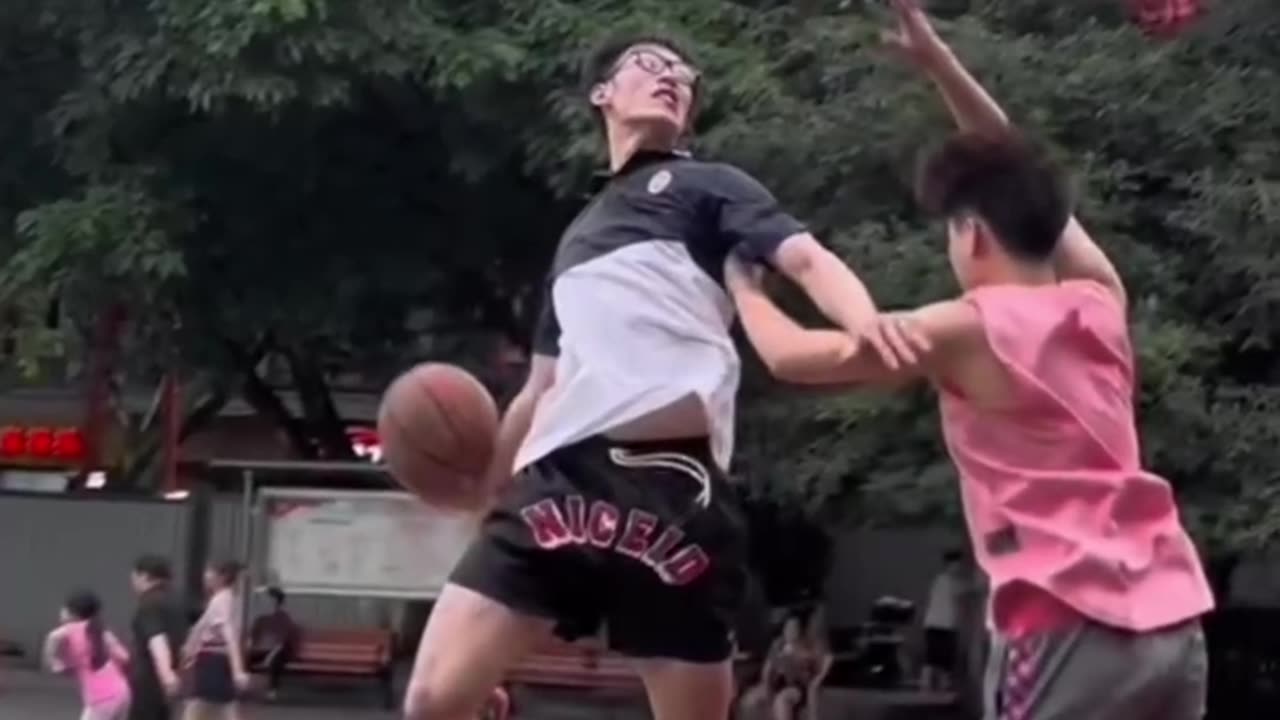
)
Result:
{"points": [[103, 685], [1063, 518]]}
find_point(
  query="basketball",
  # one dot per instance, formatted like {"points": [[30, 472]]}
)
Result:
{"points": [[438, 424]]}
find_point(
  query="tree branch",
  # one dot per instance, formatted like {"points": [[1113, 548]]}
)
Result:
{"points": [[204, 412], [322, 417], [264, 400]]}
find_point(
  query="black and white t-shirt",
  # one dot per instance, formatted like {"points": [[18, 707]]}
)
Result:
{"points": [[636, 311]]}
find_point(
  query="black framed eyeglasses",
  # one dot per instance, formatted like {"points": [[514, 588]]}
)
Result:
{"points": [[655, 63]]}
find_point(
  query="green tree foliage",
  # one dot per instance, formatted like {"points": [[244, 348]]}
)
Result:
{"points": [[1173, 145], [298, 179]]}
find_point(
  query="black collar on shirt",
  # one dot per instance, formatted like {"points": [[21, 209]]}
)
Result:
{"points": [[640, 159]]}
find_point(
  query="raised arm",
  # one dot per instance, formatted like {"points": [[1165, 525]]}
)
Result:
{"points": [[749, 220], [833, 287], [926, 339], [975, 110]]}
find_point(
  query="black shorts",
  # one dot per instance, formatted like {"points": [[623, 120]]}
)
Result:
{"points": [[211, 679], [149, 704], [940, 648], [646, 539]]}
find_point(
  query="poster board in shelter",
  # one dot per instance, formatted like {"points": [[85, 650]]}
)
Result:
{"points": [[373, 544]]}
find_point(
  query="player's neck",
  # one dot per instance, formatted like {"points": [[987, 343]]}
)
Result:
{"points": [[625, 141], [1015, 273]]}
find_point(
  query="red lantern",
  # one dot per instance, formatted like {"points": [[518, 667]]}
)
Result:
{"points": [[40, 443], [69, 445], [13, 442], [25, 444]]}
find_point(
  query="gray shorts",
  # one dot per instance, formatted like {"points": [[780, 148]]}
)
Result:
{"points": [[1100, 673]]}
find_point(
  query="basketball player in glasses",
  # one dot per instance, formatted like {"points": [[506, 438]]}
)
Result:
{"points": [[620, 517]]}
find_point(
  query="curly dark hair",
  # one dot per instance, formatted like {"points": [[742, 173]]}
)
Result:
{"points": [[1004, 180]]}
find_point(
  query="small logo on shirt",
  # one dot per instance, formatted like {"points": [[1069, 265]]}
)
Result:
{"points": [[659, 182]]}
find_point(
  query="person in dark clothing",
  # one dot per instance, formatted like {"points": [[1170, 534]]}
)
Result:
{"points": [[272, 640], [158, 632]]}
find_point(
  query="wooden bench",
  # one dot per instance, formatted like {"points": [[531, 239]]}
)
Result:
{"points": [[575, 666], [345, 652]]}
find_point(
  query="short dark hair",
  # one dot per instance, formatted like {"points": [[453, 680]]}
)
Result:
{"points": [[228, 570], [276, 594], [155, 567], [83, 604], [601, 61], [1004, 180]]}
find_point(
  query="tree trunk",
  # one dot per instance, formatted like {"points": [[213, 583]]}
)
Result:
{"points": [[263, 399], [105, 345], [322, 417], [199, 417], [268, 404]]}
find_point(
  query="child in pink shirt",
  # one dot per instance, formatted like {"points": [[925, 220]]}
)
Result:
{"points": [[82, 647], [1097, 589]]}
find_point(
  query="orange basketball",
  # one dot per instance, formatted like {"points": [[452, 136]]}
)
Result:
{"points": [[438, 425]]}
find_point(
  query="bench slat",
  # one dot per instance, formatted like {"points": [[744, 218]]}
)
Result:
{"points": [[333, 670], [339, 659], [329, 651], [353, 656]]}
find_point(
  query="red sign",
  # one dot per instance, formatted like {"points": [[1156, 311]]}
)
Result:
{"points": [[365, 443], [42, 444]]}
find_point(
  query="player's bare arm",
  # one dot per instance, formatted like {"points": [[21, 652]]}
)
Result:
{"points": [[517, 418], [748, 216], [975, 110], [834, 288], [927, 340]]}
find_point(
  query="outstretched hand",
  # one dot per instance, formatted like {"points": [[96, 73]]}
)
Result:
{"points": [[915, 40], [897, 340]]}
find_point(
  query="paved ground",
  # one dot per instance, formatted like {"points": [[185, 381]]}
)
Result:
{"points": [[26, 695]]}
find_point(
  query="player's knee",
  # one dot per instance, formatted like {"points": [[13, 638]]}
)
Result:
{"points": [[424, 701]]}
